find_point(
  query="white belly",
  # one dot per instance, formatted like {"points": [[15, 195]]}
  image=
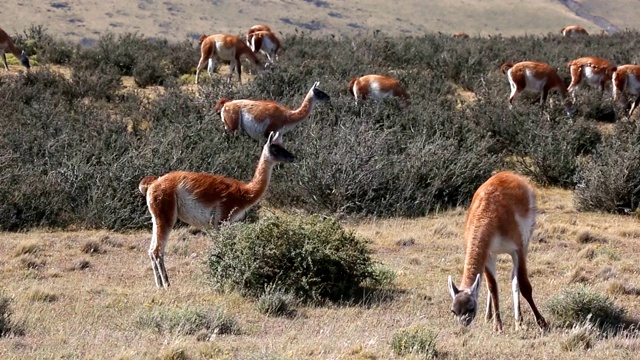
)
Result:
{"points": [[194, 213], [378, 94], [533, 83], [267, 45], [633, 85], [253, 128], [593, 79]]}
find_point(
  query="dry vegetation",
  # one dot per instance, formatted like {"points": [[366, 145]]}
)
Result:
{"points": [[90, 292], [81, 21]]}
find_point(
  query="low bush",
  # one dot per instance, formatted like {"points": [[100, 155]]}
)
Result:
{"points": [[578, 305], [313, 258], [609, 180], [188, 321]]}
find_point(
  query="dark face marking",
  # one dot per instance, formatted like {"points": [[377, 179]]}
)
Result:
{"points": [[464, 308], [24, 59], [320, 95], [281, 154]]}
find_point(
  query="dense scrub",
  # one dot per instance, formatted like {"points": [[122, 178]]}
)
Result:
{"points": [[76, 148]]}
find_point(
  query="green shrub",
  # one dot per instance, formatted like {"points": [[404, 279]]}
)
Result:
{"points": [[578, 305], [609, 180], [313, 258], [188, 321], [417, 341]]}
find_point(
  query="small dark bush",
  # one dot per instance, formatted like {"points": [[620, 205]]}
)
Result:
{"points": [[312, 258], [577, 305], [609, 180]]}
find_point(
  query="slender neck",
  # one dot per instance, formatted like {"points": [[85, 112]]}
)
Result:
{"points": [[303, 111], [13, 48], [261, 178], [478, 242], [244, 49]]}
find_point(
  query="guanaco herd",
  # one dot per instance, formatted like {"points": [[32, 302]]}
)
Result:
{"points": [[502, 213]]}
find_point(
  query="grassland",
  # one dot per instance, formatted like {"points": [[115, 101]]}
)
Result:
{"points": [[90, 294], [82, 294], [84, 21]]}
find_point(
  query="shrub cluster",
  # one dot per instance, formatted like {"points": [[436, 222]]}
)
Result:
{"points": [[313, 258], [76, 148], [579, 305], [416, 341], [609, 180]]}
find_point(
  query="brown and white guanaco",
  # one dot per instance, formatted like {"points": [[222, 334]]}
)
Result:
{"points": [[6, 43], [225, 47], [203, 200], [258, 118], [377, 87]]}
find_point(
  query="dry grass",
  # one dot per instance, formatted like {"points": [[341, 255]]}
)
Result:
{"points": [[93, 312], [80, 20]]}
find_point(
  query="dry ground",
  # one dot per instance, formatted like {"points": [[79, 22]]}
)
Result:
{"points": [[84, 21], [80, 294]]}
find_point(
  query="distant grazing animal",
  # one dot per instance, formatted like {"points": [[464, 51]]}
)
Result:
{"points": [[500, 220], [258, 118], [7, 44], [203, 200], [573, 31], [267, 42], [537, 77], [256, 28], [225, 47], [461, 35], [377, 87], [626, 79], [595, 72]]}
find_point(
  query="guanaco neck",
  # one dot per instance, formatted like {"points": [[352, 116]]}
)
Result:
{"points": [[246, 50], [478, 243], [12, 47], [303, 111], [260, 181]]}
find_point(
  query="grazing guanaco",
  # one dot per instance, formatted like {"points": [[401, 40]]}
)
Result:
{"points": [[626, 79], [377, 87], [258, 118], [203, 200], [7, 44], [461, 35], [266, 42], [500, 220], [225, 47], [574, 30], [595, 72], [538, 77], [256, 28]]}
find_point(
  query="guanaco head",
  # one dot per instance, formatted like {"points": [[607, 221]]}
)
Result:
{"points": [[201, 39], [24, 60], [319, 94], [465, 302], [274, 151]]}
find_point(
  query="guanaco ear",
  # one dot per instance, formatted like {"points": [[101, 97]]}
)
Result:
{"points": [[315, 85], [275, 138], [475, 288], [453, 290]]}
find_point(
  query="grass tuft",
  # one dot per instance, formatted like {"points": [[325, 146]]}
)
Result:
{"points": [[164, 319], [415, 341]]}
